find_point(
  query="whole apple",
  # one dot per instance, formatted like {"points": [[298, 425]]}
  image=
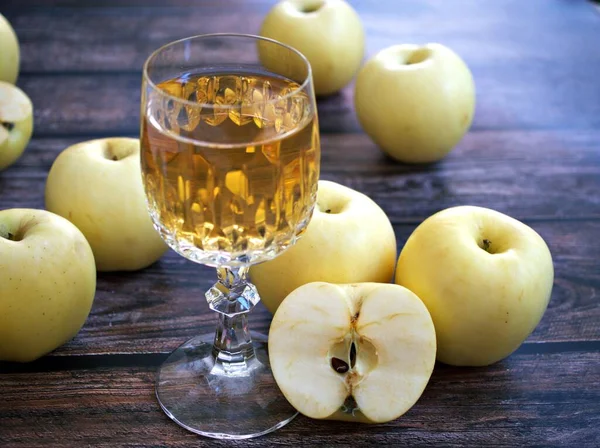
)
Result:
{"points": [[415, 102], [16, 123], [485, 277], [348, 240], [9, 54], [328, 32], [97, 185], [359, 352], [47, 283]]}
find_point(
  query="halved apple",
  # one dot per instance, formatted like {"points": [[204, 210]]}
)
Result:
{"points": [[360, 352], [16, 123], [9, 52]]}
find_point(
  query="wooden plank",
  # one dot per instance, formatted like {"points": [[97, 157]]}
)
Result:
{"points": [[118, 35], [532, 153], [155, 310], [529, 175], [77, 104], [97, 103], [519, 84], [527, 400]]}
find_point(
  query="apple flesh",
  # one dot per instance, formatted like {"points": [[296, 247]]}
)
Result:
{"points": [[348, 240], [16, 123], [97, 185], [360, 352], [47, 283], [485, 277], [9, 56], [415, 102], [328, 32]]}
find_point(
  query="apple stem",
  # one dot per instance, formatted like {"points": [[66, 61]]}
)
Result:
{"points": [[486, 245]]}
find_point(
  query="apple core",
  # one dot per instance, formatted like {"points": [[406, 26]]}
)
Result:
{"points": [[354, 357]]}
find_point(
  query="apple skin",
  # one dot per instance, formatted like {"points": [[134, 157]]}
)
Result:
{"points": [[47, 283], [9, 56], [105, 199], [330, 36], [484, 303], [354, 243], [415, 102], [16, 123]]}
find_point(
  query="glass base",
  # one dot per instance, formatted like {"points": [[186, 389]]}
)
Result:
{"points": [[222, 400]]}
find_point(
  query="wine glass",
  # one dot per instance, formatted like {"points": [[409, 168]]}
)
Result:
{"points": [[230, 161]]}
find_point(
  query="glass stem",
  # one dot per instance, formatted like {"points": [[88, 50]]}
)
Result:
{"points": [[232, 346]]}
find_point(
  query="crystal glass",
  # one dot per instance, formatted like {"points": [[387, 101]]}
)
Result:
{"points": [[230, 161]]}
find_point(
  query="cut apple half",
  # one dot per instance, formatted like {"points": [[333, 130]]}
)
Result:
{"points": [[16, 123], [360, 352]]}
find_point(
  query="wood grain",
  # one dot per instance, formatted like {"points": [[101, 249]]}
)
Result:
{"points": [[158, 308], [530, 175], [155, 310], [527, 400], [88, 60], [109, 102], [532, 153]]}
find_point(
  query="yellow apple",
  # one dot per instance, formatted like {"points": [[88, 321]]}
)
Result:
{"points": [[328, 32], [485, 277], [358, 352], [16, 123], [415, 102], [348, 240], [47, 283], [97, 185], [9, 52]]}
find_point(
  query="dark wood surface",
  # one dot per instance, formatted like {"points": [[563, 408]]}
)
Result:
{"points": [[533, 152]]}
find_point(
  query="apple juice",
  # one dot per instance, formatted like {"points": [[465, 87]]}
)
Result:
{"points": [[231, 172]]}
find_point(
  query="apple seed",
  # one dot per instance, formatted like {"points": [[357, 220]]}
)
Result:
{"points": [[7, 125], [352, 355], [328, 210], [339, 366]]}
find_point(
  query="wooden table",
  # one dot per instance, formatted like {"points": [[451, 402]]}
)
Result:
{"points": [[533, 152]]}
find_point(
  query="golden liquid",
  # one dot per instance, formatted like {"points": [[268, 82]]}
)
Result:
{"points": [[248, 190]]}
